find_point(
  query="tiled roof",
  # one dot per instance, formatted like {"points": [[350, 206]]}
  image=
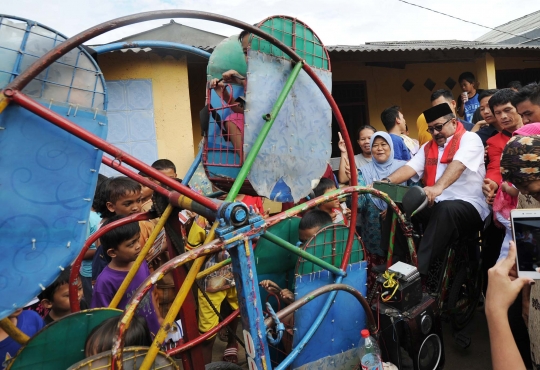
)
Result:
{"points": [[425, 45]]}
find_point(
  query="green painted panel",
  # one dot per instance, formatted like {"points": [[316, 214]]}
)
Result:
{"points": [[61, 343], [306, 44], [271, 258], [329, 245]]}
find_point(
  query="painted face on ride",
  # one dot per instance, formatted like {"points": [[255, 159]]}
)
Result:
{"points": [[127, 204], [380, 150], [528, 111], [507, 117], [364, 138], [127, 251], [441, 129]]}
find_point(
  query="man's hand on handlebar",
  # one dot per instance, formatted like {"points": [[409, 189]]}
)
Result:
{"points": [[432, 192]]}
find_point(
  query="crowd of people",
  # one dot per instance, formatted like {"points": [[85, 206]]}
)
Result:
{"points": [[474, 169]]}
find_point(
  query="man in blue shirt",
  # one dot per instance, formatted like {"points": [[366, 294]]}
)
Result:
{"points": [[395, 124]]}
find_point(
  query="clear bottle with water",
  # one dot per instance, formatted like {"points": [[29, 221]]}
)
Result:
{"points": [[369, 352]]}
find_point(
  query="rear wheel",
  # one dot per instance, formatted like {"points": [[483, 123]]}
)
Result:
{"points": [[463, 298]]}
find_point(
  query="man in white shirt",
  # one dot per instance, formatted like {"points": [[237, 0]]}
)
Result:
{"points": [[452, 169]]}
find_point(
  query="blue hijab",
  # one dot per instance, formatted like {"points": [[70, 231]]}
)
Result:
{"points": [[375, 171]]}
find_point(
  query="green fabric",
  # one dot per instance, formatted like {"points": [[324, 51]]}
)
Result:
{"points": [[395, 192], [329, 245], [61, 344], [227, 55]]}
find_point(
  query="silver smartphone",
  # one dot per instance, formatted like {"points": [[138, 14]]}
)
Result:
{"points": [[526, 232]]}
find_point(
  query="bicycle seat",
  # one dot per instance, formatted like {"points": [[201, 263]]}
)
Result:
{"points": [[414, 201]]}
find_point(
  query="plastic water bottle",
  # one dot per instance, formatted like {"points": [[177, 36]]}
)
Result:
{"points": [[369, 352]]}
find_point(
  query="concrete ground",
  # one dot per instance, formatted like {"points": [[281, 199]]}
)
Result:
{"points": [[476, 357]]}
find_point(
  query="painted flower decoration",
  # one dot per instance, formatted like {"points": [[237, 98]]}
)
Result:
{"points": [[530, 170], [504, 170], [526, 140], [529, 157]]}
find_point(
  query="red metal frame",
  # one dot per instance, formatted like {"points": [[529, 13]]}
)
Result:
{"points": [[201, 338], [12, 92], [65, 124]]}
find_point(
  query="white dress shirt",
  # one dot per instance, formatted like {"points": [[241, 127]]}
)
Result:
{"points": [[468, 186]]}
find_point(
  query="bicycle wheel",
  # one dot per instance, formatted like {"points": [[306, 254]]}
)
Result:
{"points": [[463, 298]]}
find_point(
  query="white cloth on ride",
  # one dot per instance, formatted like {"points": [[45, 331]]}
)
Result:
{"points": [[468, 187]]}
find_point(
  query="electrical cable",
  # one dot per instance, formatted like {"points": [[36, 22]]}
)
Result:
{"points": [[464, 20]]}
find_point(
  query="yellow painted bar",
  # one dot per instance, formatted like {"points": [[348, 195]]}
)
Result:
{"points": [[4, 102], [13, 331], [176, 305], [140, 258]]}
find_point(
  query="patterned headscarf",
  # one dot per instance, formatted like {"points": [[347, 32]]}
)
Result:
{"points": [[520, 161]]}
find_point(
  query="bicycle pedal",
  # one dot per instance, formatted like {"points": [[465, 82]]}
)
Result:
{"points": [[462, 340]]}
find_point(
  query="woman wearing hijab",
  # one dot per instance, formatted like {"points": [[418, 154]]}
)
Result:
{"points": [[371, 209]]}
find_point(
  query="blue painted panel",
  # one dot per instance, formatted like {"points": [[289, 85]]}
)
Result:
{"points": [[47, 183], [298, 147], [131, 121], [340, 330]]}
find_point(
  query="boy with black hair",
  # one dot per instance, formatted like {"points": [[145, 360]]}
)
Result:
{"points": [[395, 125], [527, 103], [468, 101], [55, 297], [122, 246], [166, 167], [488, 126], [332, 207], [118, 196]]}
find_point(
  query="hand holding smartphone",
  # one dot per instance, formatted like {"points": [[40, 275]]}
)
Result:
{"points": [[526, 233]]}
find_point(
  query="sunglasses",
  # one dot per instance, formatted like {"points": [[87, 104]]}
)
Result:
{"points": [[438, 128]]}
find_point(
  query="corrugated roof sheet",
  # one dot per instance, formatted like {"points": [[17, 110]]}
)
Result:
{"points": [[528, 26], [426, 45]]}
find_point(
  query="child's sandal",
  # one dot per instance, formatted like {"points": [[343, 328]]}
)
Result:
{"points": [[231, 354]]}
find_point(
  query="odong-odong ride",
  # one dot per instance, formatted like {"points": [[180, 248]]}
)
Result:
{"points": [[53, 125]]}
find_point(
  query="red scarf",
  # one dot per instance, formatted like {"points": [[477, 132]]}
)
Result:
{"points": [[431, 151]]}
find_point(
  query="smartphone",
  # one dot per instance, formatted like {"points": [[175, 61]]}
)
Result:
{"points": [[526, 232]]}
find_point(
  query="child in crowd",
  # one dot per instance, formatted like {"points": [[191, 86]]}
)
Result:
{"points": [[56, 297], [86, 266], [468, 101], [26, 321], [101, 337], [118, 196], [122, 246], [333, 207]]}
